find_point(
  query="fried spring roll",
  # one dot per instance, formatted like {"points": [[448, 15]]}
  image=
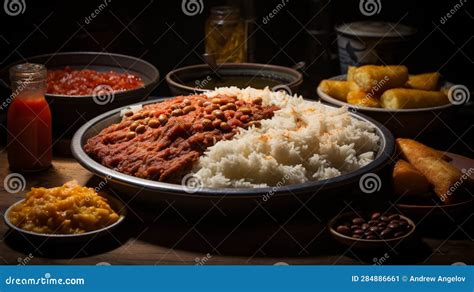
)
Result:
{"points": [[403, 98], [408, 181], [426, 81], [441, 175], [361, 98], [377, 79], [337, 88]]}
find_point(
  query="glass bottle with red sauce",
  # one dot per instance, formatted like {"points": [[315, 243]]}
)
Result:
{"points": [[29, 120]]}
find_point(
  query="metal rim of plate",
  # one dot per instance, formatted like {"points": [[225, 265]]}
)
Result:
{"points": [[334, 101], [385, 153]]}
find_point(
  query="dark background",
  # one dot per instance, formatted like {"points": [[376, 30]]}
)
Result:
{"points": [[159, 32]]}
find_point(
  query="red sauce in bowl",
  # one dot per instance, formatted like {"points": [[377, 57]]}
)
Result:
{"points": [[86, 82]]}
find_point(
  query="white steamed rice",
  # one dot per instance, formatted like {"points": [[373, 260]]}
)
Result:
{"points": [[304, 141]]}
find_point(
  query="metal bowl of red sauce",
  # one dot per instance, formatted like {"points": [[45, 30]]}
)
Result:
{"points": [[83, 85]]}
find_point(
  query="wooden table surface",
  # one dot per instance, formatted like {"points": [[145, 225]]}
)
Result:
{"points": [[164, 235]]}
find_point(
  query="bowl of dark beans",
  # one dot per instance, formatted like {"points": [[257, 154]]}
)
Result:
{"points": [[371, 230]]}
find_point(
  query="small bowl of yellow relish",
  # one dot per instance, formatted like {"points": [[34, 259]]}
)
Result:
{"points": [[69, 210]]}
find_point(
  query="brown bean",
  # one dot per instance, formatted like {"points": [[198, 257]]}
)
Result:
{"points": [[209, 109], [358, 231], [372, 222], [134, 126], [174, 107], [216, 100], [215, 106], [136, 116], [356, 236], [355, 226], [218, 113], [374, 229], [393, 226], [365, 226], [229, 106], [358, 221], [177, 112], [257, 101], [384, 218], [245, 110], [367, 233], [131, 135], [140, 129], [371, 237], [375, 216], [189, 109], [382, 224], [207, 123], [206, 104], [163, 118], [225, 127], [128, 113], [343, 230], [386, 233], [216, 123], [186, 101], [209, 117], [154, 123], [244, 118]]}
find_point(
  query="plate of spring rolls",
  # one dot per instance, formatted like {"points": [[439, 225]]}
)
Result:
{"points": [[404, 103], [427, 180], [385, 88]]}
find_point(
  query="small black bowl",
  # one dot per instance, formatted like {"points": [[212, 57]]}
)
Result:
{"points": [[176, 79], [367, 243], [69, 112]]}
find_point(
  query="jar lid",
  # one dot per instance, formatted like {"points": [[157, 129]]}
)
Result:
{"points": [[225, 11], [28, 71], [377, 29]]}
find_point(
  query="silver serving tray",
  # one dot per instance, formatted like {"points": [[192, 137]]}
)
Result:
{"points": [[153, 191]]}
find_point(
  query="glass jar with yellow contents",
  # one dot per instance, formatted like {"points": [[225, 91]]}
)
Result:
{"points": [[226, 35]]}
